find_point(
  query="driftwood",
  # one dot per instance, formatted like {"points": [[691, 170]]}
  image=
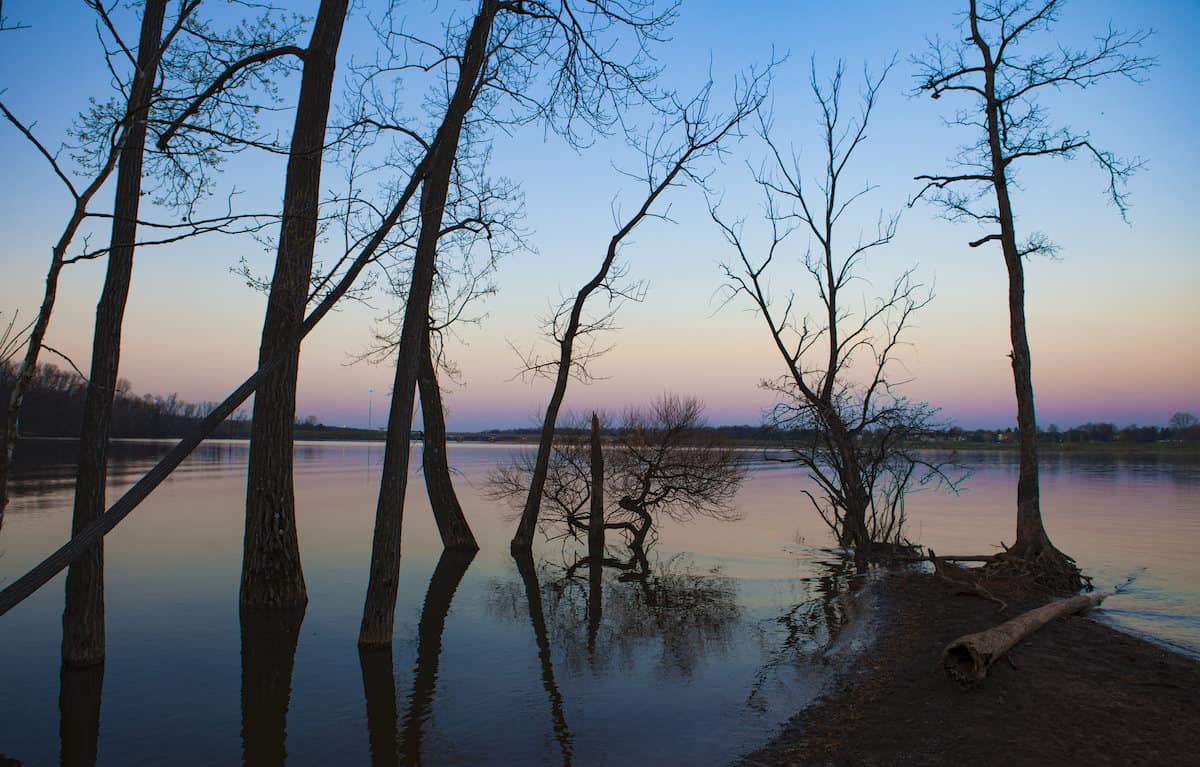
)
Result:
{"points": [[961, 578], [968, 658]]}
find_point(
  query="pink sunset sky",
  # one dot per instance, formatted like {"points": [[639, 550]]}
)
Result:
{"points": [[1113, 320]]}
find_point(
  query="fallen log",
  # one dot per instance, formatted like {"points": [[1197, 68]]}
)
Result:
{"points": [[967, 659], [966, 583]]}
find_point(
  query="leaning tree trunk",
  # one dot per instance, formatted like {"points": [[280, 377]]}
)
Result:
{"points": [[379, 610], [967, 659], [83, 614], [271, 572], [447, 511]]}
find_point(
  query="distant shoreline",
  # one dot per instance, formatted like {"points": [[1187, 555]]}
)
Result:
{"points": [[1174, 447]]}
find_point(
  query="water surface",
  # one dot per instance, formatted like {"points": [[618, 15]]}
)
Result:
{"points": [[496, 663]]}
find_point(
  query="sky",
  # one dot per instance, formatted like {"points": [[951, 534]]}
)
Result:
{"points": [[1113, 319]]}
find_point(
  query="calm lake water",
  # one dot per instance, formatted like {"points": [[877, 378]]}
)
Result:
{"points": [[736, 629]]}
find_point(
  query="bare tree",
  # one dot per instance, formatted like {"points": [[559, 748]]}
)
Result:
{"points": [[83, 615], [365, 253], [480, 225], [1012, 125], [692, 133], [840, 383], [380, 606], [101, 139], [660, 462], [499, 60]]}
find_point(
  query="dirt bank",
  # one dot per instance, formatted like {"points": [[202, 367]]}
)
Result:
{"points": [[1076, 693]]}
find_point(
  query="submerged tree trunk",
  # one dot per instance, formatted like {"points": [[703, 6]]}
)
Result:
{"points": [[83, 614], [271, 572], [379, 609], [447, 511]]}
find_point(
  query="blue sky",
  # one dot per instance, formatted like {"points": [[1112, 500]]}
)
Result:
{"points": [[1113, 320]]}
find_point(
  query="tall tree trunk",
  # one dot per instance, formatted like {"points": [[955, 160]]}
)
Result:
{"points": [[83, 614], [379, 609], [269, 639], [447, 511], [271, 573], [1031, 534]]}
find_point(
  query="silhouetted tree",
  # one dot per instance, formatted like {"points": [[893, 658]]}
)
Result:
{"points": [[83, 615], [380, 606], [271, 572], [100, 137], [1182, 422], [1012, 125], [660, 462], [840, 388], [692, 133], [496, 71]]}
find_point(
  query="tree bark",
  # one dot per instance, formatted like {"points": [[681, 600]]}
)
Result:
{"points": [[271, 572], [447, 511], [967, 659], [83, 614], [380, 607]]}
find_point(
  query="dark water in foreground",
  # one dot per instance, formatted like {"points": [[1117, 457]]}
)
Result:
{"points": [[493, 664]]}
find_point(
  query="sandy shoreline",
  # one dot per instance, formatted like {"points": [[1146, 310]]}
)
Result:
{"points": [[1077, 692]]}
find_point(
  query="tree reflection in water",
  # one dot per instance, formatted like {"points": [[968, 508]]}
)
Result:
{"points": [[379, 684], [269, 640], [79, 695], [607, 614], [802, 632]]}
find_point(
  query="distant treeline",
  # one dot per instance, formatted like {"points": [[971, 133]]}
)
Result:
{"points": [[1088, 432], [54, 408], [1184, 428]]}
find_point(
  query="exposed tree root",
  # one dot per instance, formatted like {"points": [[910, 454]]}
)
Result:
{"points": [[962, 578], [1041, 565]]}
